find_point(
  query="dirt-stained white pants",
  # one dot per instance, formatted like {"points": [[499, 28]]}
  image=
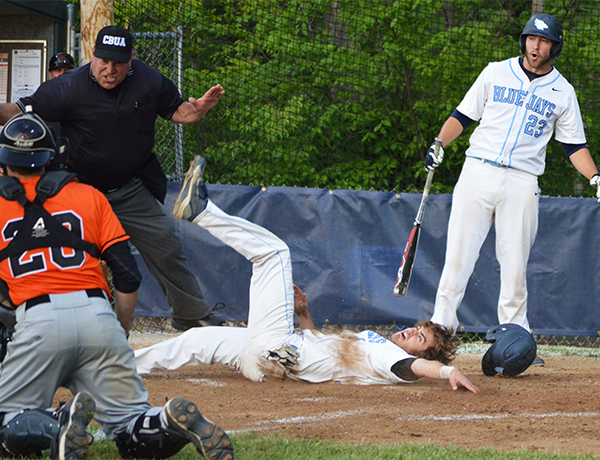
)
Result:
{"points": [[271, 310], [487, 194]]}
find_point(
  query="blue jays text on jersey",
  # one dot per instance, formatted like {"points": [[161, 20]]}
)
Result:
{"points": [[518, 97]]}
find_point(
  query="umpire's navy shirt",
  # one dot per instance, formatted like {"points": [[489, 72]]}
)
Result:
{"points": [[110, 132]]}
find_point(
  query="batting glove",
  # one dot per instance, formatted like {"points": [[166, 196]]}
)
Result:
{"points": [[432, 161], [595, 182]]}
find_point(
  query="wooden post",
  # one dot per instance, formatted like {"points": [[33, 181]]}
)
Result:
{"points": [[538, 6], [95, 14]]}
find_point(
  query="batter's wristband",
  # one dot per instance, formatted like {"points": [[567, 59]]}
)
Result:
{"points": [[445, 372]]}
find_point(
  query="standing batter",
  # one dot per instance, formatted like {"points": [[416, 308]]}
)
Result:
{"points": [[269, 344], [54, 231], [520, 102]]}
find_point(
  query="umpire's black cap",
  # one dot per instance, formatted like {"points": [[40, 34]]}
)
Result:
{"points": [[60, 60], [114, 43]]}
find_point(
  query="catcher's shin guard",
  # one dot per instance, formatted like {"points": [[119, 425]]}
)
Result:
{"points": [[150, 439], [29, 433]]}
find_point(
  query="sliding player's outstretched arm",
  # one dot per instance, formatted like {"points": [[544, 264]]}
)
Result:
{"points": [[436, 370]]}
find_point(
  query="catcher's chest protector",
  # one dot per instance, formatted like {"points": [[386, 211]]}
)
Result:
{"points": [[38, 229]]}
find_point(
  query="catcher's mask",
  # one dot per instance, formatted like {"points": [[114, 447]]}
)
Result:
{"points": [[26, 141], [513, 351], [546, 26]]}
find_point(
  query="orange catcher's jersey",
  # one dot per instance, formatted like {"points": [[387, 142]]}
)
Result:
{"points": [[82, 209]]}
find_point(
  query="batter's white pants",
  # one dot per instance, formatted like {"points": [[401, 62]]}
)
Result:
{"points": [[487, 194], [271, 310]]}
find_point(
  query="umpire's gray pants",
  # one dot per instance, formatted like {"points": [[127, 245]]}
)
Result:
{"points": [[74, 341], [154, 234]]}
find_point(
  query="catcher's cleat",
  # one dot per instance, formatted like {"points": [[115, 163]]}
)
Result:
{"points": [[193, 195], [183, 417], [74, 417]]}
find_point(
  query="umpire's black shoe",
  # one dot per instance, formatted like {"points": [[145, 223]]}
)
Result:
{"points": [[193, 196], [538, 362], [184, 418], [213, 319], [73, 418]]}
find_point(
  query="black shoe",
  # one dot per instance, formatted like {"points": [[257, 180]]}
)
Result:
{"points": [[213, 319], [74, 417], [538, 362], [184, 418], [193, 196]]}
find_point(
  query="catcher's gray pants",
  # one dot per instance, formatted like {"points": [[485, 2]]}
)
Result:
{"points": [[74, 341], [154, 234]]}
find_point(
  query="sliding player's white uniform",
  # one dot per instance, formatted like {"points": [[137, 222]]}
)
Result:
{"points": [[363, 358], [498, 182]]}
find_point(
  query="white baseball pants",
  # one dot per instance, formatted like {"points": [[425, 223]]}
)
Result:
{"points": [[487, 194], [271, 311]]}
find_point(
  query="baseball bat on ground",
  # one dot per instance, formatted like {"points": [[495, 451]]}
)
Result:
{"points": [[410, 250]]}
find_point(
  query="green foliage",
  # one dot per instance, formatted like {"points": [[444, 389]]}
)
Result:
{"points": [[351, 93]]}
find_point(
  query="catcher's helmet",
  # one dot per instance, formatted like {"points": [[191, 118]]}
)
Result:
{"points": [[546, 26], [513, 351], [61, 60], [26, 141]]}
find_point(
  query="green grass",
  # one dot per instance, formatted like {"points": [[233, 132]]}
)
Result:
{"points": [[267, 447], [249, 446]]}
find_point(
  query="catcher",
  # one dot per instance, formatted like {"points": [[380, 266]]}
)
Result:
{"points": [[54, 231], [269, 345]]}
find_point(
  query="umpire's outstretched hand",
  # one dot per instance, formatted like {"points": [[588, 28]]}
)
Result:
{"points": [[194, 109]]}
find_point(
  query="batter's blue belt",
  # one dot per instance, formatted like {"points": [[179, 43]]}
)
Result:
{"points": [[493, 163], [45, 298]]}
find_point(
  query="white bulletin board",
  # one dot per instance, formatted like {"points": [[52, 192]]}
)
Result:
{"points": [[22, 68]]}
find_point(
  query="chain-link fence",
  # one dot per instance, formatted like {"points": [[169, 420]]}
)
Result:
{"points": [[346, 94], [163, 51], [159, 325]]}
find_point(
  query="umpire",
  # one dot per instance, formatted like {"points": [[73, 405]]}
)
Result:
{"points": [[107, 109]]}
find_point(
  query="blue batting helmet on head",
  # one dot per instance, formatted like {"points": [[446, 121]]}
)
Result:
{"points": [[546, 26], [60, 60]]}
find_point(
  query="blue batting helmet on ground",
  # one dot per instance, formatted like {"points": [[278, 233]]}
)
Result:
{"points": [[513, 351]]}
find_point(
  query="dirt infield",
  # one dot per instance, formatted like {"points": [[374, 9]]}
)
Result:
{"points": [[550, 409]]}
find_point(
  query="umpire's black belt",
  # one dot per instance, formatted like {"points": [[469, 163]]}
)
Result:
{"points": [[45, 298]]}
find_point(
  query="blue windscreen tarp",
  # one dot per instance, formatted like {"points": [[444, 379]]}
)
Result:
{"points": [[347, 246]]}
